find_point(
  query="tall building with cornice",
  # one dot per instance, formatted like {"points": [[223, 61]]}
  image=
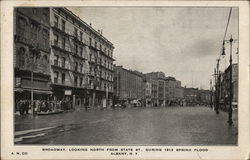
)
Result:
{"points": [[81, 61]]}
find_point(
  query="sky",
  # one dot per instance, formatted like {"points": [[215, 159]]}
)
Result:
{"points": [[183, 42]]}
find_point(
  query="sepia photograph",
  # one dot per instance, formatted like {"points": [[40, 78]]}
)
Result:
{"points": [[125, 80], [126, 75]]}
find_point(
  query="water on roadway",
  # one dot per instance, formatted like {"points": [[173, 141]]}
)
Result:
{"points": [[144, 126]]}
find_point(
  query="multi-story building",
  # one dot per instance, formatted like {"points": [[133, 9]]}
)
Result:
{"points": [[148, 93], [173, 90], [31, 53], [128, 84], [223, 86], [191, 95], [58, 56], [204, 97], [178, 90], [170, 83], [158, 92], [81, 60]]}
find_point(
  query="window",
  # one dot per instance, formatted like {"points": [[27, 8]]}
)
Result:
{"points": [[33, 31], [76, 80], [95, 44], [63, 62], [21, 53], [44, 59], [90, 41], [80, 81], [75, 32], [56, 77], [56, 60], [34, 10], [56, 21], [63, 25], [90, 57], [100, 46], [63, 78], [45, 14], [81, 68], [63, 43], [76, 66], [45, 38], [81, 51], [80, 36], [56, 39], [76, 48]]}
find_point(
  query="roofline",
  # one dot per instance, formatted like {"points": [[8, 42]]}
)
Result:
{"points": [[87, 25]]}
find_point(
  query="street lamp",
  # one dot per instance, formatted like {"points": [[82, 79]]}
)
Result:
{"points": [[230, 110]]}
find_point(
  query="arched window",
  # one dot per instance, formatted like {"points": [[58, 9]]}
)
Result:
{"points": [[21, 60], [45, 58]]}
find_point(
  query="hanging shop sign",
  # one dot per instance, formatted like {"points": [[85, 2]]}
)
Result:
{"points": [[68, 92], [18, 82]]}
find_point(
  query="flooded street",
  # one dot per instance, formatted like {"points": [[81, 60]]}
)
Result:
{"points": [[144, 126]]}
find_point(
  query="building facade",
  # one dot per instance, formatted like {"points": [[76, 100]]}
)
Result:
{"points": [[31, 53], [57, 56], [157, 79], [223, 86], [81, 61], [128, 84]]}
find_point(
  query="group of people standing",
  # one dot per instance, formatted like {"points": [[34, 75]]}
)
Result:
{"points": [[24, 106]]}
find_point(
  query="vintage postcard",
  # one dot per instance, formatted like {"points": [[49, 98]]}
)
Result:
{"points": [[125, 80]]}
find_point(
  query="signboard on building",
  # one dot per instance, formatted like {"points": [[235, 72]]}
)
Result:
{"points": [[68, 92], [18, 82]]}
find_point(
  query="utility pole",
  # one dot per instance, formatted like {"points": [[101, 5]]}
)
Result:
{"points": [[217, 87], [211, 94]]}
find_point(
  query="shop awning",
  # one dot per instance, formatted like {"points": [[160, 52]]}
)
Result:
{"points": [[38, 91], [18, 90]]}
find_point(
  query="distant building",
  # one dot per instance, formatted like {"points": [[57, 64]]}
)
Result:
{"points": [[204, 97], [157, 79], [190, 95], [170, 84], [179, 92], [148, 93], [195, 96], [173, 90], [128, 84]]}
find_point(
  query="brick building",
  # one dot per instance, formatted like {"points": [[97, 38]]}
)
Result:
{"points": [[128, 84], [31, 53], [82, 60]]}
